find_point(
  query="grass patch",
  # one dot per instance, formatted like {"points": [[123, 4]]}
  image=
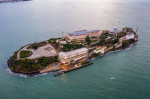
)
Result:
{"points": [[25, 54]]}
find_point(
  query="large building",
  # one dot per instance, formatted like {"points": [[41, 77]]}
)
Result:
{"points": [[67, 57], [81, 35], [130, 36], [100, 49]]}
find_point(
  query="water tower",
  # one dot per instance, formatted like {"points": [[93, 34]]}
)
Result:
{"points": [[115, 30]]}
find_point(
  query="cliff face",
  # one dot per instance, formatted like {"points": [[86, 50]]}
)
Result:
{"points": [[2, 1]]}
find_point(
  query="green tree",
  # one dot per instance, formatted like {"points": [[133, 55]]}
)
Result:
{"points": [[88, 40], [116, 40], [125, 44], [102, 37]]}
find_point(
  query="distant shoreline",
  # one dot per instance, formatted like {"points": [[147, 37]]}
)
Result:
{"points": [[5, 1]]}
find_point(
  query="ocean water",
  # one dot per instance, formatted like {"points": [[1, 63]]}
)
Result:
{"points": [[118, 75]]}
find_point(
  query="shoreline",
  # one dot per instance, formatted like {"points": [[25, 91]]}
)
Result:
{"points": [[119, 50], [45, 73], [60, 55]]}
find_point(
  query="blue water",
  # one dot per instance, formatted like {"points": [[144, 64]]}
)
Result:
{"points": [[119, 75]]}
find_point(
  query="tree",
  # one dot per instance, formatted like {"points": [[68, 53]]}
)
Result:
{"points": [[116, 40], [103, 36], [88, 40], [125, 44]]}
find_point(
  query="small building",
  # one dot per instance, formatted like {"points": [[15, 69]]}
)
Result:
{"points": [[130, 36], [61, 41], [81, 35], [100, 49], [67, 57]]}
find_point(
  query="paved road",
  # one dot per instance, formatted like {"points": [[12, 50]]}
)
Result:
{"points": [[46, 51]]}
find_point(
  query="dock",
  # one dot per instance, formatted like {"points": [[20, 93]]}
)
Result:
{"points": [[57, 73]]}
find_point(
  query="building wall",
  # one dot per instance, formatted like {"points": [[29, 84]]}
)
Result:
{"points": [[131, 36], [82, 37], [73, 56], [95, 34]]}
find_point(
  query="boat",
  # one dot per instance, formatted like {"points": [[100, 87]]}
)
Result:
{"points": [[58, 73]]}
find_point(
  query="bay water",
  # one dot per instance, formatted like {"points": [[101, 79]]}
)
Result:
{"points": [[118, 75]]}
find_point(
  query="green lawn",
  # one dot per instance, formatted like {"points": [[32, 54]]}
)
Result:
{"points": [[25, 54]]}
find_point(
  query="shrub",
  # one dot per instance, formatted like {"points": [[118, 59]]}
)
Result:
{"points": [[36, 45], [15, 55], [52, 40], [94, 55], [25, 54], [103, 36], [125, 44], [132, 40], [115, 41], [87, 39], [28, 65], [68, 47]]}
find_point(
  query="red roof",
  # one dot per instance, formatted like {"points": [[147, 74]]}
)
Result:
{"points": [[100, 47]]}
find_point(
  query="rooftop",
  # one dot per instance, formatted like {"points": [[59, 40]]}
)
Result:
{"points": [[73, 52], [82, 32]]}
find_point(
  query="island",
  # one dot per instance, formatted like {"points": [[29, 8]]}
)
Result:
{"points": [[70, 52]]}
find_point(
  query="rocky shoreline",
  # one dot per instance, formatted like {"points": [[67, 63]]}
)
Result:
{"points": [[38, 72]]}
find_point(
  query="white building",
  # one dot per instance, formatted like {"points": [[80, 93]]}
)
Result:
{"points": [[67, 57], [82, 34], [130, 36], [100, 50], [63, 42]]}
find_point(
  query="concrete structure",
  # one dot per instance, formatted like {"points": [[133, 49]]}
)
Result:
{"points": [[81, 35], [67, 57], [130, 36]]}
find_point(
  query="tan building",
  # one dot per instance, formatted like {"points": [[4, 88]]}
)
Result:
{"points": [[67, 57], [81, 35]]}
